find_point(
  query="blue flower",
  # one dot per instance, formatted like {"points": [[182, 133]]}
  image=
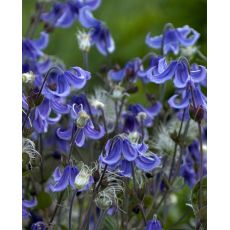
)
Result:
{"points": [[85, 127], [129, 71], [163, 72], [63, 179], [32, 49], [59, 82], [131, 121], [100, 35], [153, 225], [173, 39], [27, 204], [120, 152]]}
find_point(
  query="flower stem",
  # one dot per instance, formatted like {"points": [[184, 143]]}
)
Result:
{"points": [[71, 207], [101, 217]]}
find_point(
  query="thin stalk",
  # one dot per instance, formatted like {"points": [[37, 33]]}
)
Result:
{"points": [[41, 165], [119, 113], [201, 164], [176, 144], [56, 207], [104, 121], [85, 60], [71, 207], [139, 201], [72, 143], [101, 217]]}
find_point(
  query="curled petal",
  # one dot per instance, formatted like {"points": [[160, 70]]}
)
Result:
{"points": [[54, 120], [92, 133], [78, 78], [142, 148], [44, 108], [154, 42], [59, 108], [198, 73], [80, 138], [147, 163], [113, 153], [93, 4], [187, 36], [29, 203], [87, 19], [64, 134], [66, 20], [184, 102], [129, 152], [62, 183], [57, 174], [164, 76], [181, 74], [42, 42]]}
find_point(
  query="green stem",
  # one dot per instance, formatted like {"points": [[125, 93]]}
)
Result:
{"points": [[71, 207]]}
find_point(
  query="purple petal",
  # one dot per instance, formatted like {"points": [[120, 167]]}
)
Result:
{"points": [[29, 203], [116, 75], [63, 182], [154, 42], [125, 168], [42, 42], [181, 74], [147, 163], [59, 107], [92, 133], [57, 174], [184, 102], [73, 173], [80, 139], [198, 73], [86, 18], [129, 152], [164, 76], [44, 108], [187, 36], [64, 134], [54, 120]]}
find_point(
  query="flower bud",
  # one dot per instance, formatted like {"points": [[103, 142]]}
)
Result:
{"points": [[82, 119]]}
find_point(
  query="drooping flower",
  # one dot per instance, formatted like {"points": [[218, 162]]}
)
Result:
{"points": [[63, 179], [121, 152], [100, 35], [133, 113], [162, 72], [129, 71], [85, 128], [172, 39]]}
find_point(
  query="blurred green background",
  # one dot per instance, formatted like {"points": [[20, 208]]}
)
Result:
{"points": [[129, 21]]}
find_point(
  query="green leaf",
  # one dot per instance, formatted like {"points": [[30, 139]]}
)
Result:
{"points": [[44, 200]]}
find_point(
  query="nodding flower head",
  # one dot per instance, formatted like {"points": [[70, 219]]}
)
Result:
{"points": [[83, 177], [28, 77], [28, 147], [84, 40]]}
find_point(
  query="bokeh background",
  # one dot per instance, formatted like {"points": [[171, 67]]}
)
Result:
{"points": [[129, 21]]}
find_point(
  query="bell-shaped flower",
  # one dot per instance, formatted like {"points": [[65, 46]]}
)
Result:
{"points": [[62, 179], [85, 128], [173, 39], [59, 82], [179, 70], [121, 152], [129, 71], [134, 114], [100, 35]]}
